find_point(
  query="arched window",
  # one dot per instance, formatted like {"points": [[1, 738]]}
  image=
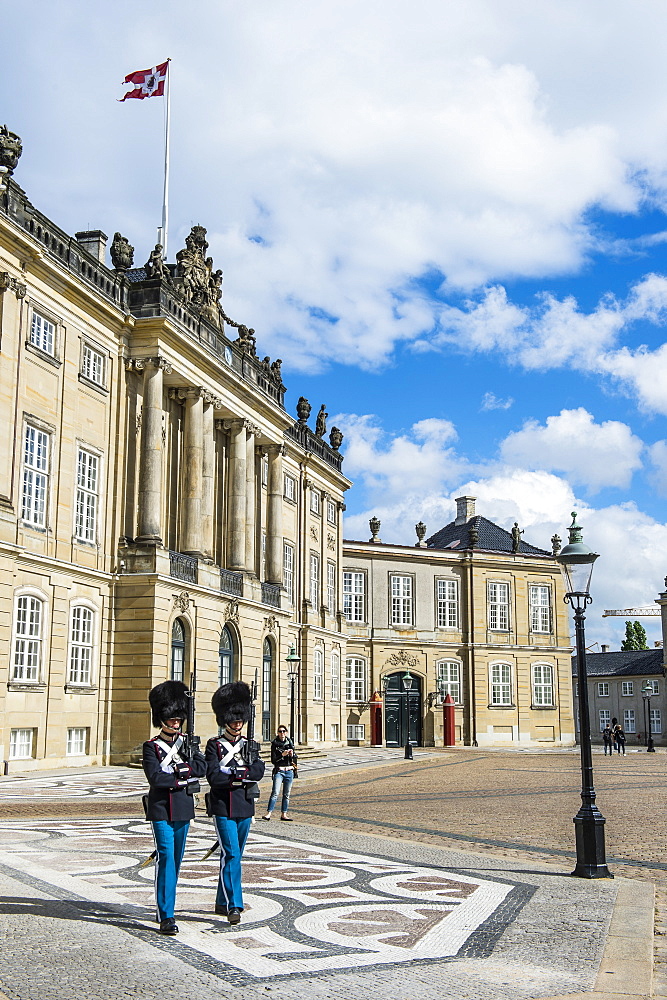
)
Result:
{"points": [[500, 677], [177, 650], [318, 675], [267, 670], [81, 645], [448, 673], [355, 679], [28, 636], [543, 684], [226, 657]]}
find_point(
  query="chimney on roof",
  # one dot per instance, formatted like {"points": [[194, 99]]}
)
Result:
{"points": [[604, 647], [95, 242], [465, 509]]}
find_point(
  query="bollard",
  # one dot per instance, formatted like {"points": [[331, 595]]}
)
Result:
{"points": [[408, 751]]}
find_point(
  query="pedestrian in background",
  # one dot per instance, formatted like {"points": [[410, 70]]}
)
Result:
{"points": [[619, 739], [285, 763], [606, 737]]}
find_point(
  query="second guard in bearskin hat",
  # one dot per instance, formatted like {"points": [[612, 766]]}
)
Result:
{"points": [[233, 768], [172, 774]]}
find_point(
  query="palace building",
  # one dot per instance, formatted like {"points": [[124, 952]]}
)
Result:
{"points": [[159, 508]]}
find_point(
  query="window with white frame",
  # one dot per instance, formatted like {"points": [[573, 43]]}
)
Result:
{"points": [[355, 679], [656, 721], [629, 720], [288, 570], [654, 686], [28, 639], [21, 743], [317, 732], [87, 486], [354, 590], [603, 689], [543, 684], [93, 365], [627, 688], [318, 675], [356, 732], [540, 608], [42, 334], [290, 488], [448, 674], [81, 645], [331, 512], [335, 677], [447, 604], [331, 587], [401, 600], [314, 501], [314, 580], [265, 471], [35, 476], [76, 742], [501, 683], [335, 732], [499, 607], [604, 715]]}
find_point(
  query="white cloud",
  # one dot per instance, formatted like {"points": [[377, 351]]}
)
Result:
{"points": [[492, 402], [592, 455]]}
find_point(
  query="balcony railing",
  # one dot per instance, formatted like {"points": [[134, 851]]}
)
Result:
{"points": [[231, 583], [271, 594], [183, 567]]}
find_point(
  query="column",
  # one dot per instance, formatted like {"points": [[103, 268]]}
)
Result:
{"points": [[274, 519], [150, 460], [237, 501], [193, 446], [208, 476], [250, 499]]}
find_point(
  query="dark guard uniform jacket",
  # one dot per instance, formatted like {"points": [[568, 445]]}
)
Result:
{"points": [[228, 798], [165, 799]]}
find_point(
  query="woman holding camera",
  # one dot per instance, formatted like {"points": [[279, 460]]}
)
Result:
{"points": [[284, 760]]}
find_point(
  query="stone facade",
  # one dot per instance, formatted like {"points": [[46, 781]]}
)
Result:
{"points": [[159, 508], [473, 619]]}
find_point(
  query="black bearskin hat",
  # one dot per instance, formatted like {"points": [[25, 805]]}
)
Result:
{"points": [[168, 701], [231, 702]]}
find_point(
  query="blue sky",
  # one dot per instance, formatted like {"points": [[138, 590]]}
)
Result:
{"points": [[447, 219]]}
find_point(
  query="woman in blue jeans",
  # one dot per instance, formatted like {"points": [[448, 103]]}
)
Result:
{"points": [[284, 760]]}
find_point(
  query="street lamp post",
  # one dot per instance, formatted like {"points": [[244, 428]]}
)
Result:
{"points": [[407, 684], [293, 662], [576, 561], [647, 691]]}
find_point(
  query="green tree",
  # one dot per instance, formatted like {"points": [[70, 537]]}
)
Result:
{"points": [[635, 636]]}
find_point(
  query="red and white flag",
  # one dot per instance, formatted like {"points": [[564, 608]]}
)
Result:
{"points": [[148, 82]]}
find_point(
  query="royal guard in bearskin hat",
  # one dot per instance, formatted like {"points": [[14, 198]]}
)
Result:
{"points": [[172, 768], [233, 768]]}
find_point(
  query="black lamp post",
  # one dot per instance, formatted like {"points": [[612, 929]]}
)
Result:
{"points": [[647, 691], [407, 684], [576, 561], [293, 662]]}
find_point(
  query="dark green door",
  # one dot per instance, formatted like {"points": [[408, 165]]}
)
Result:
{"points": [[402, 712]]}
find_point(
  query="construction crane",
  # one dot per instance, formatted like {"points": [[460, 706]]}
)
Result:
{"points": [[633, 613]]}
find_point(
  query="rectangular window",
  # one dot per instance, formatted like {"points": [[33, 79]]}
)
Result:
{"points": [[331, 512], [314, 501], [21, 744], [76, 742], [355, 679], [605, 718], [401, 600], [354, 587], [335, 677], [629, 720], [28, 643], [356, 732], [603, 689], [499, 607], [448, 604], [656, 721], [35, 476], [314, 580], [540, 609], [627, 687], [317, 732], [93, 365], [42, 334], [335, 732], [331, 587], [448, 674], [87, 485], [501, 684], [543, 684], [318, 675], [290, 488], [265, 472], [288, 571], [81, 646], [655, 687]]}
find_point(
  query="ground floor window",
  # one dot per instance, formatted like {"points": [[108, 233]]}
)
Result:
{"points": [[335, 732], [76, 742], [629, 720], [21, 744], [317, 732], [356, 732], [656, 721], [605, 718]]}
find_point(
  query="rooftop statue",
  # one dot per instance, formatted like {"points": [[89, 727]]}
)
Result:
{"points": [[303, 409], [336, 438], [321, 422], [11, 148], [155, 266], [516, 537], [122, 254]]}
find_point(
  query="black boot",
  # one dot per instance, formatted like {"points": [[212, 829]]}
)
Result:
{"points": [[168, 926]]}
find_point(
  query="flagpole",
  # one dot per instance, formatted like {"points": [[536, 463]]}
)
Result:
{"points": [[165, 197]]}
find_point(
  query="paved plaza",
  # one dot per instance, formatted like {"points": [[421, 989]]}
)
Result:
{"points": [[334, 908]]}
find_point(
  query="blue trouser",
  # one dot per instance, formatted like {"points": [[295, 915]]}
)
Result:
{"points": [[170, 843], [284, 778], [232, 835]]}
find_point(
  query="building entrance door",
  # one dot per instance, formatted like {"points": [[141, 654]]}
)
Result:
{"points": [[402, 712]]}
